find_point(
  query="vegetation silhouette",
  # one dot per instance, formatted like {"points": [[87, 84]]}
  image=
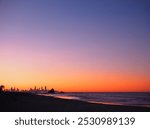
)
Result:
{"points": [[52, 91], [2, 88]]}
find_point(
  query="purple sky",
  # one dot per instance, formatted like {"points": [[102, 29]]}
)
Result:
{"points": [[73, 37]]}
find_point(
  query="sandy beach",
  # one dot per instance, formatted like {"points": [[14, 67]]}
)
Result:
{"points": [[26, 102]]}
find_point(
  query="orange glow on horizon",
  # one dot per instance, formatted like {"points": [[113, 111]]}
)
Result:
{"points": [[77, 82]]}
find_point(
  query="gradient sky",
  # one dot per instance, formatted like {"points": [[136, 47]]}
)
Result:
{"points": [[75, 45]]}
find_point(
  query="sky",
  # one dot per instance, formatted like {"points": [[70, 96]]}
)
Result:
{"points": [[75, 45]]}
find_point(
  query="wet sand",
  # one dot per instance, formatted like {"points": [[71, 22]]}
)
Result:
{"points": [[26, 102]]}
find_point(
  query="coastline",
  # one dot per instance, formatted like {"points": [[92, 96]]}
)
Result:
{"points": [[27, 102], [78, 96]]}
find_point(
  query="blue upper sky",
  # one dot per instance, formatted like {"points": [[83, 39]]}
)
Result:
{"points": [[98, 34]]}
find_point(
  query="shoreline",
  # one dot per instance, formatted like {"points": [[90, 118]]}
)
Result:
{"points": [[27, 102], [67, 97]]}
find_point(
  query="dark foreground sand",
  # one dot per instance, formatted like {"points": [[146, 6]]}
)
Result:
{"points": [[25, 102]]}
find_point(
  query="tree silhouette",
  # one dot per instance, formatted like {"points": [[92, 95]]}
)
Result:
{"points": [[52, 91], [2, 88]]}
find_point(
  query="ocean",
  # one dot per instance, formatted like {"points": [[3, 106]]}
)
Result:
{"points": [[113, 98]]}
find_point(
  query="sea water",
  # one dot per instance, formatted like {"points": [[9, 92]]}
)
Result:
{"points": [[113, 98]]}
